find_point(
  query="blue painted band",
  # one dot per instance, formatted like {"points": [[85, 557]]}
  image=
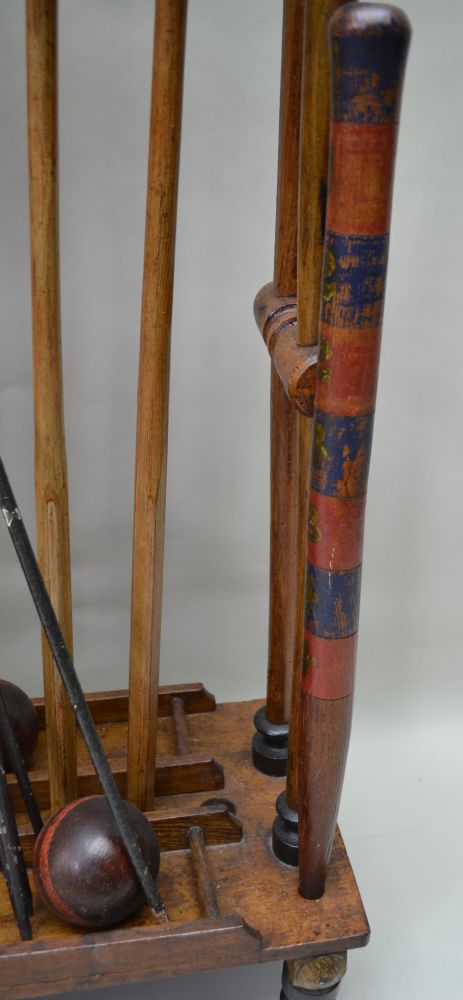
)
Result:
{"points": [[341, 454], [367, 77], [354, 280], [332, 602]]}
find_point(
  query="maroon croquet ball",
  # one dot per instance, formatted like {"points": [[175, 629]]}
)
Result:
{"points": [[81, 867], [24, 721]]}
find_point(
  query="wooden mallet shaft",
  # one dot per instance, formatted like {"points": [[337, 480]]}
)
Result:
{"points": [[368, 48], [10, 744], [153, 398], [51, 495], [12, 862]]}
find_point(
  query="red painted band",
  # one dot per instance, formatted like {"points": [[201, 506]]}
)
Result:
{"points": [[42, 872], [360, 182], [347, 371], [329, 666], [335, 535]]}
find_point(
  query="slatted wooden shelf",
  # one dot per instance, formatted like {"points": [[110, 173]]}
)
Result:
{"points": [[262, 917]]}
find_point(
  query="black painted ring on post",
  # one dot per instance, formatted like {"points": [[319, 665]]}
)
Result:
{"points": [[285, 833], [270, 745]]}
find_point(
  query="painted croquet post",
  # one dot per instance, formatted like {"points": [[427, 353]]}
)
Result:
{"points": [[369, 45]]}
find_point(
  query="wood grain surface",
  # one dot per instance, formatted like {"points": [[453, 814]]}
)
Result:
{"points": [[51, 492], [313, 176], [113, 706], [283, 473], [153, 397], [368, 45], [263, 916]]}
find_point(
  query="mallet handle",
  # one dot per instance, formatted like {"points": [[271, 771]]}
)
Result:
{"points": [[12, 862], [369, 45], [51, 495], [17, 763], [153, 398]]}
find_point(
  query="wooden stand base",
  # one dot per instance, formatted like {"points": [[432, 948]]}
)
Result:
{"points": [[205, 778]]}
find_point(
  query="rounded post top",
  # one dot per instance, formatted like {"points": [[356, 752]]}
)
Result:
{"points": [[368, 44], [369, 19]]}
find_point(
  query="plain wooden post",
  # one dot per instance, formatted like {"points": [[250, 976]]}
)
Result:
{"points": [[283, 417], [312, 178], [52, 516], [153, 397], [270, 741]]}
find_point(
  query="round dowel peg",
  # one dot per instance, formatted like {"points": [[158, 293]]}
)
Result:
{"points": [[285, 834], [81, 867], [270, 745], [23, 718]]}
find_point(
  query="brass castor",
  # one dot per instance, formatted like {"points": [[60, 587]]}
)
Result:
{"points": [[320, 976]]}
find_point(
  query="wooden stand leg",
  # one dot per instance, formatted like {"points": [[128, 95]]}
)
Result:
{"points": [[313, 178], [319, 976], [51, 494], [270, 744], [368, 53], [153, 398]]}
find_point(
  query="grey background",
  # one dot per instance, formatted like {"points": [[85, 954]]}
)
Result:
{"points": [[401, 812]]}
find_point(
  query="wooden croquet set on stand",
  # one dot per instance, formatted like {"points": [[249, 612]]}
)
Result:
{"points": [[167, 834]]}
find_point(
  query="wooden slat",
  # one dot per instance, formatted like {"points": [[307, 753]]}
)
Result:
{"points": [[219, 826], [125, 956], [174, 776], [112, 706]]}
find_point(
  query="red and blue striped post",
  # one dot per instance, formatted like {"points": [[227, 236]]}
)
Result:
{"points": [[369, 45]]}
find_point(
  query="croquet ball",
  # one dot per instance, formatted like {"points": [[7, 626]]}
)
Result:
{"points": [[81, 867], [23, 718]]}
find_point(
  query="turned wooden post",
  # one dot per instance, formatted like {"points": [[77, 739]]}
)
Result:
{"points": [[313, 180], [313, 177], [51, 493], [153, 398], [270, 744], [369, 45]]}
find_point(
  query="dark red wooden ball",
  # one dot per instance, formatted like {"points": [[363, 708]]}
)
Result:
{"points": [[23, 718], [81, 867]]}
